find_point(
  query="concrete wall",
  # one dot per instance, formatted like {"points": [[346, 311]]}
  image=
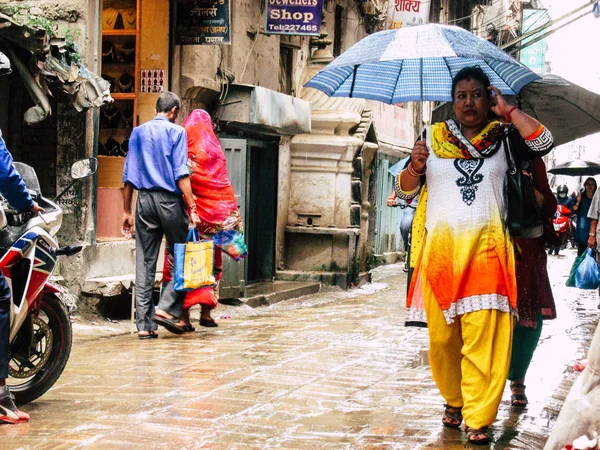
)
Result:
{"points": [[252, 57], [74, 131], [154, 50], [283, 200]]}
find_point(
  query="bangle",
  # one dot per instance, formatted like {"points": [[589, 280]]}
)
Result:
{"points": [[593, 234], [507, 115], [413, 172]]}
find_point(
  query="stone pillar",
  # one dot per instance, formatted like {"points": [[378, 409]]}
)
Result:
{"points": [[319, 234]]}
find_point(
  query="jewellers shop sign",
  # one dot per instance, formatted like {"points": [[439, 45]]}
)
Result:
{"points": [[406, 13], [203, 22], [298, 17]]}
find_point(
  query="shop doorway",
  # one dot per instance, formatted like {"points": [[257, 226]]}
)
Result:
{"points": [[252, 166], [261, 217]]}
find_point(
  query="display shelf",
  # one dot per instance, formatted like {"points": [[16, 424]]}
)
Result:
{"points": [[119, 32], [125, 15], [120, 96]]}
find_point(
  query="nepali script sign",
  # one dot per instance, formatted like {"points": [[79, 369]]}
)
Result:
{"points": [[203, 22], [406, 13], [297, 17]]}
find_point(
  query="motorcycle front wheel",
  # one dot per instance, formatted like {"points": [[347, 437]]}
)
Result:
{"points": [[38, 356]]}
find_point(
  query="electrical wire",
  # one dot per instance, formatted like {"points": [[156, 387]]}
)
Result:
{"points": [[248, 57], [540, 17], [496, 20], [460, 19]]}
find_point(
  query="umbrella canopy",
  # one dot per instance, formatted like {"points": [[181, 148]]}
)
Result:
{"points": [[577, 167], [569, 111], [417, 63]]}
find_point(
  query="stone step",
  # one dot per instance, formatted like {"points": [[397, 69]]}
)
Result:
{"points": [[329, 278], [268, 293]]}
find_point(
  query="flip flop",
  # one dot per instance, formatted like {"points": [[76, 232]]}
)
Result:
{"points": [[208, 323], [169, 324], [143, 337]]}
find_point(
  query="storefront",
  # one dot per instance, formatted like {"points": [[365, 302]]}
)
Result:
{"points": [[253, 121], [135, 60]]}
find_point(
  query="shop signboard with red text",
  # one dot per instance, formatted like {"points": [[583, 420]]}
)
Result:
{"points": [[296, 17], [406, 13]]}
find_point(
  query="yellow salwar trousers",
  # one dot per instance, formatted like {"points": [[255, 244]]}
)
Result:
{"points": [[470, 359]]}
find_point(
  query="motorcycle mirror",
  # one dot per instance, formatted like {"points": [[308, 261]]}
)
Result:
{"points": [[5, 68], [84, 168], [80, 169]]}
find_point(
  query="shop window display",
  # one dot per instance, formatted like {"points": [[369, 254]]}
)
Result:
{"points": [[120, 59], [119, 67]]}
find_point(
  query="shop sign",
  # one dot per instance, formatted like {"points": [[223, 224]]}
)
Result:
{"points": [[406, 13], [297, 17], [534, 55], [203, 22]]}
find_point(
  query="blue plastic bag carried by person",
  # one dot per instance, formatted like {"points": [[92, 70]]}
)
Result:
{"points": [[588, 272]]}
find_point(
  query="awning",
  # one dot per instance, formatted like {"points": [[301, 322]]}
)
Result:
{"points": [[52, 62], [265, 111]]}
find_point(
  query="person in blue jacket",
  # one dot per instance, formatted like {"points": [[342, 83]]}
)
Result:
{"points": [[13, 189]]}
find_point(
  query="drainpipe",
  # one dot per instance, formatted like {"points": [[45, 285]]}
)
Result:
{"points": [[42, 109]]}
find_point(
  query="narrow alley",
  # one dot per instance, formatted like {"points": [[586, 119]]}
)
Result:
{"points": [[334, 370]]}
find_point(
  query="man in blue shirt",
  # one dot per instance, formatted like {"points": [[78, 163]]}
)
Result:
{"points": [[15, 192], [156, 166]]}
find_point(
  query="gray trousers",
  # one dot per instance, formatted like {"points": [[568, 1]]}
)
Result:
{"points": [[158, 214]]}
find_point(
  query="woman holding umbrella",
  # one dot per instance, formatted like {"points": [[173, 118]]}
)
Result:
{"points": [[464, 282]]}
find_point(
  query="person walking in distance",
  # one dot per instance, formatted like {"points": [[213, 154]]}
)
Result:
{"points": [[583, 201], [14, 190], [156, 166]]}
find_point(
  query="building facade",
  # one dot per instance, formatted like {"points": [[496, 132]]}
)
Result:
{"points": [[310, 171]]}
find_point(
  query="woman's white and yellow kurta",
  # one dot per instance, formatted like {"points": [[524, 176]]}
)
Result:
{"points": [[464, 280]]}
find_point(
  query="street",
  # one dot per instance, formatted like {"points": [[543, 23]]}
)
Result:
{"points": [[334, 370]]}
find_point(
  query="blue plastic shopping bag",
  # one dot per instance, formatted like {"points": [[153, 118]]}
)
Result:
{"points": [[588, 272], [193, 265]]}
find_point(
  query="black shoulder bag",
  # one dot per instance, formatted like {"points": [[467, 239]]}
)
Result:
{"points": [[523, 218]]}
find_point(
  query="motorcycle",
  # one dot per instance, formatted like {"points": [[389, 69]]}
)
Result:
{"points": [[562, 225], [40, 327]]}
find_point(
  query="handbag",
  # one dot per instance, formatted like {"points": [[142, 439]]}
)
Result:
{"points": [[523, 218], [193, 265]]}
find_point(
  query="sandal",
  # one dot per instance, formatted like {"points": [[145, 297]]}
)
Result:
{"points": [[169, 324], [148, 335], [518, 400], [208, 323], [189, 328], [452, 416], [478, 436]]}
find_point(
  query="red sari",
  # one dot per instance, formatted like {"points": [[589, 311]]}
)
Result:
{"points": [[215, 201]]}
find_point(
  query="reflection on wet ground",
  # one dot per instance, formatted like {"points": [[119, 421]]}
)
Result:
{"points": [[335, 370]]}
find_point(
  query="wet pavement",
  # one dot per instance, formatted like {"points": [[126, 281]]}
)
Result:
{"points": [[333, 370]]}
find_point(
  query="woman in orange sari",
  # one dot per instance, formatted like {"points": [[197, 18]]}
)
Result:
{"points": [[217, 209]]}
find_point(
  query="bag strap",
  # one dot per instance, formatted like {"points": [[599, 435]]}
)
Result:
{"points": [[510, 160], [192, 236]]}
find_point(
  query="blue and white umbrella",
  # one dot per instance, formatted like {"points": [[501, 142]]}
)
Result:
{"points": [[417, 63]]}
